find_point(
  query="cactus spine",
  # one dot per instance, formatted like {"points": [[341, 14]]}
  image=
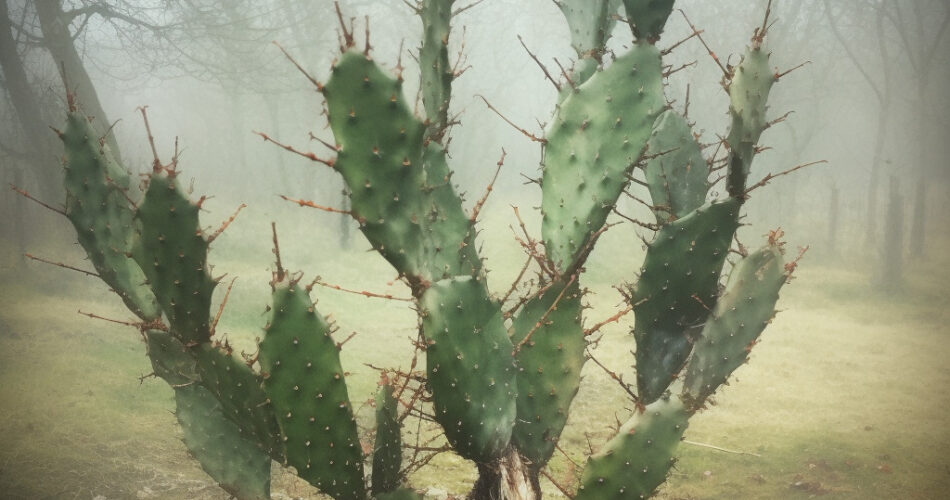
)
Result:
{"points": [[502, 395]]}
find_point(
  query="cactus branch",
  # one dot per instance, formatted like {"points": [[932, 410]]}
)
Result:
{"points": [[319, 281], [308, 154], [224, 302], [225, 224], [293, 61], [488, 190], [540, 322], [308, 203], [768, 178], [527, 134], [60, 264], [544, 69], [699, 35], [30, 197]]}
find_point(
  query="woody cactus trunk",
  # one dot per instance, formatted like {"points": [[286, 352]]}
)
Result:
{"points": [[501, 391]]}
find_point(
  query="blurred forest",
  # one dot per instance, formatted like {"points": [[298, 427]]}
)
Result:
{"points": [[871, 100], [867, 102]]}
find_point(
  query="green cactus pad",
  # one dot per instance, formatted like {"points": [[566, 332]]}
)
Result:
{"points": [[749, 89], [172, 251], [740, 316], [238, 389], [648, 17], [437, 74], [380, 157], [394, 181], [102, 215], [590, 23], [237, 465], [549, 369], [470, 367], [677, 176], [304, 382], [679, 283], [387, 449], [596, 138], [171, 360], [636, 461], [449, 234]]}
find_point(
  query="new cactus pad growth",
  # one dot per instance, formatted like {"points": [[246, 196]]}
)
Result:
{"points": [[498, 380]]}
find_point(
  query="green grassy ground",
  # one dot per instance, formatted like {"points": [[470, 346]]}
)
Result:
{"points": [[844, 398]]}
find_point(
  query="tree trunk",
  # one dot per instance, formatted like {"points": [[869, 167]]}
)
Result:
{"points": [[833, 221], [893, 244], [872, 209], [42, 147], [919, 219], [509, 478], [57, 38]]}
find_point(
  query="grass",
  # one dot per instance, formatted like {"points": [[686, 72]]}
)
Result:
{"points": [[845, 397]]}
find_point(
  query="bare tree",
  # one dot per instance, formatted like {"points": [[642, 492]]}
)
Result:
{"points": [[921, 32]]}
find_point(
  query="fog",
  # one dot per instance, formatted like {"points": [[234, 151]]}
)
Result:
{"points": [[863, 110], [210, 77]]}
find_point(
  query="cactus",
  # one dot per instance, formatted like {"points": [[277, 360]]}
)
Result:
{"points": [[502, 395], [387, 449], [305, 386]]}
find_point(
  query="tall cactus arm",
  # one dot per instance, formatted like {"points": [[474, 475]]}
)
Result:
{"points": [[305, 385], [239, 467], [679, 282], [741, 314], [597, 136], [633, 464], [98, 207]]}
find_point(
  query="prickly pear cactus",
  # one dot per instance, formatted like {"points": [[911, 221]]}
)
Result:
{"points": [[305, 386], [501, 391]]}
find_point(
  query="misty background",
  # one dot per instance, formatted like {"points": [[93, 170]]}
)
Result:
{"points": [[861, 349], [871, 101]]}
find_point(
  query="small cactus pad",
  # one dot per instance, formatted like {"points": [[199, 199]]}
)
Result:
{"points": [[437, 73], [387, 449], [677, 175], [172, 251], [470, 367], [748, 87], [648, 17], [636, 461], [238, 465], [590, 23], [305, 385], [679, 283], [596, 138], [740, 316], [549, 368], [97, 206], [238, 389], [171, 360]]}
